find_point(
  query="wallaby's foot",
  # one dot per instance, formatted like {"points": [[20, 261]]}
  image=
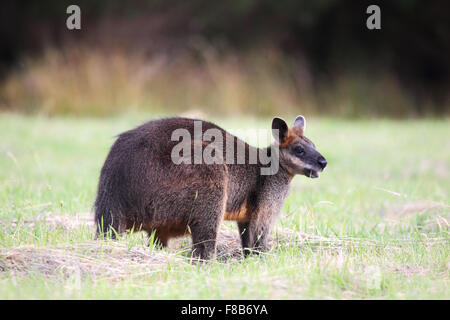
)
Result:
{"points": [[204, 243], [204, 249]]}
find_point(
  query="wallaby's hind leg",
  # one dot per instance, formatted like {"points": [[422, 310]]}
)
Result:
{"points": [[204, 230], [254, 236], [204, 241]]}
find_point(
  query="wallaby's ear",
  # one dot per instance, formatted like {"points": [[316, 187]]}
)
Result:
{"points": [[279, 129], [300, 123]]}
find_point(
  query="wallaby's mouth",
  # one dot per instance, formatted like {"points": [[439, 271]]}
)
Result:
{"points": [[311, 173]]}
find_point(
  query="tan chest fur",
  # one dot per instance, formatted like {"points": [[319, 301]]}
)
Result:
{"points": [[240, 215]]}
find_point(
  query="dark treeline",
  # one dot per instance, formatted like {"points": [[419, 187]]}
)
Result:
{"points": [[330, 35]]}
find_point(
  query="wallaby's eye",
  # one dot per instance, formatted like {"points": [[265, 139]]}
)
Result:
{"points": [[299, 151]]}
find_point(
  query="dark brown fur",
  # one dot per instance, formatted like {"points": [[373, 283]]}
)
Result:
{"points": [[141, 188]]}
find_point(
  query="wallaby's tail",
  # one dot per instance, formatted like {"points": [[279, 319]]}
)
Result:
{"points": [[107, 211]]}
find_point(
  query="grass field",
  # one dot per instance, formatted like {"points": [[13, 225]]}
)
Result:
{"points": [[374, 226]]}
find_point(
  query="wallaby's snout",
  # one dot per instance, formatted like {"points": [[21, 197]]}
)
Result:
{"points": [[313, 169], [322, 162]]}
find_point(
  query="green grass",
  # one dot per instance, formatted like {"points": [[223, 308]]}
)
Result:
{"points": [[374, 226]]}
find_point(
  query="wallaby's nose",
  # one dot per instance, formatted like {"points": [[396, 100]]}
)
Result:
{"points": [[322, 162]]}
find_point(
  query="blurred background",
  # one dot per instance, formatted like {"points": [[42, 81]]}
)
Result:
{"points": [[257, 57]]}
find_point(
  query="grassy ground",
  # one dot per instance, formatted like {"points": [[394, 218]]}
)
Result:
{"points": [[375, 225]]}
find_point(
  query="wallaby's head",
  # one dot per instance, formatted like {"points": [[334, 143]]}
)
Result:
{"points": [[298, 155]]}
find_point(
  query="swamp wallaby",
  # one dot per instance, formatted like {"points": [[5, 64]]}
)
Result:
{"points": [[145, 183]]}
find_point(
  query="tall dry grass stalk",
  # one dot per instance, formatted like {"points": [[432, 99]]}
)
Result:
{"points": [[90, 81]]}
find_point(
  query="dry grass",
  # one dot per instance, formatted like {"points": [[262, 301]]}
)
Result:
{"points": [[116, 260], [88, 259], [99, 258]]}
